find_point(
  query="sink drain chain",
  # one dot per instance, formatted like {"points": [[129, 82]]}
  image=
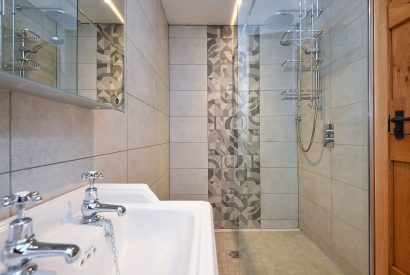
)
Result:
{"points": [[109, 234]]}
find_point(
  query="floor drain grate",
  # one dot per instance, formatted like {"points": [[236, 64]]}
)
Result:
{"points": [[233, 254]]}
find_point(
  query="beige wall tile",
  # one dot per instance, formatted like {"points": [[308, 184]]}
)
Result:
{"points": [[87, 49], [346, 11], [162, 27], [348, 85], [163, 96], [316, 188], [273, 105], [4, 191], [350, 244], [315, 219], [279, 206], [189, 181], [350, 165], [45, 132], [163, 186], [87, 76], [53, 180], [188, 103], [326, 248], [350, 204], [143, 124], [279, 180], [140, 77], [110, 131], [162, 61], [147, 165], [317, 160], [141, 32], [150, 10], [351, 124], [273, 78], [189, 129], [349, 42], [281, 128], [188, 31], [113, 166], [4, 132], [191, 51], [189, 155], [188, 77], [278, 154]]}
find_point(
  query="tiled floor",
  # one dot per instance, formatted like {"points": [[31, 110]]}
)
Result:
{"points": [[271, 253]]}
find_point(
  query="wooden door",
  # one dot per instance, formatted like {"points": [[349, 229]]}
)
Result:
{"points": [[392, 150]]}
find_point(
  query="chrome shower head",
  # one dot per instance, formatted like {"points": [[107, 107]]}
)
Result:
{"points": [[280, 21]]}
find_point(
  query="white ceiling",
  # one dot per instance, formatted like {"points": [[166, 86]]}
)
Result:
{"points": [[220, 12], [199, 12]]}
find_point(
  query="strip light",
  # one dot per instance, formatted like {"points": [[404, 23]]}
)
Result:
{"points": [[115, 10], [235, 12]]}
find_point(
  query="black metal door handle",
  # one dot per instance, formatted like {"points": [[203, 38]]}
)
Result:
{"points": [[399, 120]]}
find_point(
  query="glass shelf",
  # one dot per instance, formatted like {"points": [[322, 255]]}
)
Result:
{"points": [[294, 94], [19, 64], [296, 36], [292, 65], [21, 35]]}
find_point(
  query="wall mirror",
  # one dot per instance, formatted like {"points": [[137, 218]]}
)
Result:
{"points": [[72, 46]]}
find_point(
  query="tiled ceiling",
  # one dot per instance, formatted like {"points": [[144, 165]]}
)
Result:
{"points": [[220, 12]]}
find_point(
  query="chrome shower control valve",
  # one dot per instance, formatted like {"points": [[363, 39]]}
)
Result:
{"points": [[329, 136]]}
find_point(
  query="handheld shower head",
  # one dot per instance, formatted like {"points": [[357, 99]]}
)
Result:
{"points": [[56, 40]]}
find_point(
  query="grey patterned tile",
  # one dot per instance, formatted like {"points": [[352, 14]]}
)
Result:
{"points": [[222, 77], [250, 187], [222, 31], [223, 148], [222, 51], [234, 127], [110, 65]]}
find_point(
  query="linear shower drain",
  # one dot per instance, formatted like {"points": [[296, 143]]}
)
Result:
{"points": [[233, 254]]}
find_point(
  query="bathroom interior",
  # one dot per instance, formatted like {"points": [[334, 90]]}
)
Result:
{"points": [[232, 137]]}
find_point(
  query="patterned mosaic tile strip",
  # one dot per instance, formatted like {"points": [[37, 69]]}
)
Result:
{"points": [[234, 127], [110, 65]]}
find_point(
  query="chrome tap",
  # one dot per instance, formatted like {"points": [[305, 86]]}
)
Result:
{"points": [[91, 206], [22, 246]]}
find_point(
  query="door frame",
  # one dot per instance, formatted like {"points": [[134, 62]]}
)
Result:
{"points": [[381, 227]]}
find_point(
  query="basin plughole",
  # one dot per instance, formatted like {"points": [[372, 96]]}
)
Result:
{"points": [[154, 238]]}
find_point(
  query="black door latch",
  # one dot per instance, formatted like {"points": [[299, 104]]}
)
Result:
{"points": [[399, 120]]}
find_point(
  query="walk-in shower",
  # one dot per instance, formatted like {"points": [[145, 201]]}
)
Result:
{"points": [[312, 87]]}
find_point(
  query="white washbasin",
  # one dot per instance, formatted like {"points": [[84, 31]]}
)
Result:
{"points": [[154, 238]]}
